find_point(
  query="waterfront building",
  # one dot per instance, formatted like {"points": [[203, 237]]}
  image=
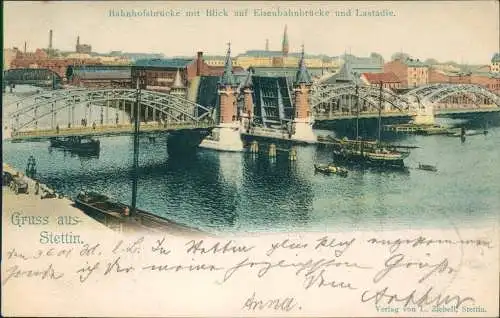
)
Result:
{"points": [[359, 65], [411, 72], [99, 75], [495, 63], [82, 48], [440, 76], [160, 73], [490, 81], [8, 56], [39, 59], [388, 80]]}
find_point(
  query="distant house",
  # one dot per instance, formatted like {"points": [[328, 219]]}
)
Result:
{"points": [[495, 63], [388, 80], [160, 73], [411, 72]]}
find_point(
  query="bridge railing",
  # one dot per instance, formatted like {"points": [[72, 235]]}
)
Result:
{"points": [[110, 128]]}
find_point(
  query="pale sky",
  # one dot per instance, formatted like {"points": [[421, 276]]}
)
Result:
{"points": [[462, 31]]}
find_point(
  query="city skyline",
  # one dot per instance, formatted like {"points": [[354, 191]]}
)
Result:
{"points": [[439, 30]]}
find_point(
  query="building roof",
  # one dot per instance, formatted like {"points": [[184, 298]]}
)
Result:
{"points": [[262, 53], [227, 76], [495, 58], [166, 63], [414, 63], [302, 76], [381, 77], [178, 80]]}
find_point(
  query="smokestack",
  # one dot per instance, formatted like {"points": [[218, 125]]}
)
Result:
{"points": [[24, 47], [50, 40], [78, 41], [267, 44], [199, 63]]}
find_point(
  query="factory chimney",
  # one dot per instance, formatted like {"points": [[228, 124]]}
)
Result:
{"points": [[24, 47], [50, 40]]}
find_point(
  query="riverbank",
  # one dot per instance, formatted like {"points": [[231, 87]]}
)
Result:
{"points": [[32, 204], [63, 207]]}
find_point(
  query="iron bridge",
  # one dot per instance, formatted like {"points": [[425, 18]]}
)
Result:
{"points": [[166, 110], [337, 101], [41, 77]]}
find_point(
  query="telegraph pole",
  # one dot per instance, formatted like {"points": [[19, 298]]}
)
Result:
{"points": [[380, 112], [135, 172]]}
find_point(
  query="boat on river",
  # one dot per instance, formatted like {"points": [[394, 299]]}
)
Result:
{"points": [[118, 216], [330, 169], [426, 167], [76, 144], [370, 153]]}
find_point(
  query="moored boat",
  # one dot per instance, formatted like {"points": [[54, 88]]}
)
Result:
{"points": [[76, 143], [369, 153], [330, 169], [427, 167], [118, 215]]}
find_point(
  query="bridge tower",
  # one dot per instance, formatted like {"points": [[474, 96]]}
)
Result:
{"points": [[424, 114], [226, 136], [247, 113], [302, 126]]}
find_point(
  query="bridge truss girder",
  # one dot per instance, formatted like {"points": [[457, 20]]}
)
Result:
{"points": [[47, 104], [322, 94], [434, 93], [460, 89]]}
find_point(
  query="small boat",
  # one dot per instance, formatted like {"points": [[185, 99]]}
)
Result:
{"points": [[427, 167], [330, 169], [76, 144]]}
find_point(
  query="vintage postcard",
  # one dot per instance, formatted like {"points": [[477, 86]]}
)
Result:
{"points": [[250, 159]]}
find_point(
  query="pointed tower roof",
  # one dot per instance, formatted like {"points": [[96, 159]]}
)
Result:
{"points": [[284, 44], [248, 80], [227, 77], [178, 80], [303, 75]]}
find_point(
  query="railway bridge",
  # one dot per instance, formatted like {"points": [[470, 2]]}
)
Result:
{"points": [[331, 102]]}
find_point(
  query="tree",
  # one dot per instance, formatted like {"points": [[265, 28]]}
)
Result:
{"points": [[377, 56], [399, 56], [431, 61]]}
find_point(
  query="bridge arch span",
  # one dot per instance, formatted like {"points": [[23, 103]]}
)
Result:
{"points": [[170, 106]]}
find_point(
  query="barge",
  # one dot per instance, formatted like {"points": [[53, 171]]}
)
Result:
{"points": [[76, 144], [117, 216]]}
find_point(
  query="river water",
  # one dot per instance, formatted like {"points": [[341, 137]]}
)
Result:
{"points": [[237, 192]]}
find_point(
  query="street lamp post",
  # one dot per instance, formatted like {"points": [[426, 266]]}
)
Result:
{"points": [[380, 112], [140, 83]]}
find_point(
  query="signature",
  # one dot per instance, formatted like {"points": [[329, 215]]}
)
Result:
{"points": [[412, 299], [278, 304]]}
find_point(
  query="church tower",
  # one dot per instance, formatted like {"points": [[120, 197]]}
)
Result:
{"points": [[284, 44], [303, 120]]}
